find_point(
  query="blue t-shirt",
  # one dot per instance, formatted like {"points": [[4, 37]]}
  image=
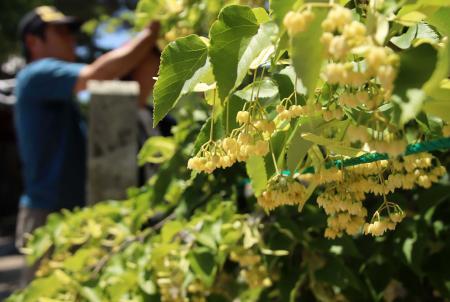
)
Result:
{"points": [[52, 141]]}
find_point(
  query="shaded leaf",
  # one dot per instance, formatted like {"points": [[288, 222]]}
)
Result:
{"points": [[413, 73], [156, 150], [335, 146], [203, 264]]}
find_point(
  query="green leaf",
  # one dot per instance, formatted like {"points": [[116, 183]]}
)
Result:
{"points": [[90, 294], [286, 80], [408, 248], [235, 104], [411, 108], [256, 170], [441, 72], [77, 262], [156, 150], [43, 287], [204, 135], [298, 148], [426, 33], [335, 146], [411, 18], [335, 272], [404, 41], [206, 240], [261, 15], [183, 64], [146, 11], [440, 19], [124, 283], [265, 89], [203, 264], [439, 104], [414, 72], [307, 52], [236, 40], [170, 229]]}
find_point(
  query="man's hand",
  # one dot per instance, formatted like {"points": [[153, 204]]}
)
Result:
{"points": [[154, 27]]}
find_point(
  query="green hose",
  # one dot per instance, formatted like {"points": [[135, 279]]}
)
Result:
{"points": [[428, 146]]}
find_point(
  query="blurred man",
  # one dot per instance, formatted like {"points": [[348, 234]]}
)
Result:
{"points": [[50, 132]]}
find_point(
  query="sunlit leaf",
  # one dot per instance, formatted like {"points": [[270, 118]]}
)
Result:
{"points": [[308, 53], [156, 150], [236, 40], [256, 170], [183, 64]]}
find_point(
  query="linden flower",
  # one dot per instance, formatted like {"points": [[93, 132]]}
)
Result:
{"points": [[386, 75], [294, 23], [354, 30], [297, 110], [336, 19], [446, 130], [338, 47], [328, 115], [265, 126], [280, 108], [357, 133], [293, 111], [282, 190], [362, 97], [335, 73], [326, 38], [338, 113], [243, 117], [297, 22], [348, 100], [355, 78], [376, 57]]}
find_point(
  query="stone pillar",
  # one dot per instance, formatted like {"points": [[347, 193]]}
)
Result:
{"points": [[112, 139]]}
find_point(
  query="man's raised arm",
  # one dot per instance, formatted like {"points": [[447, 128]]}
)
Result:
{"points": [[119, 62]]}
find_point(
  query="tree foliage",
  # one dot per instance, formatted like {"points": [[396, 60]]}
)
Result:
{"points": [[326, 117]]}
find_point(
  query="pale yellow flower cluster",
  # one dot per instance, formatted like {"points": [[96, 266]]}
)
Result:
{"points": [[345, 39], [385, 143], [282, 190], [344, 208], [446, 130], [393, 147], [224, 153], [295, 111], [380, 226], [360, 98], [211, 157], [345, 190], [256, 276], [170, 279], [253, 271], [256, 125], [296, 22], [251, 139]]}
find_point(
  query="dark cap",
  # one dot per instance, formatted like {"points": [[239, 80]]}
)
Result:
{"points": [[34, 22]]}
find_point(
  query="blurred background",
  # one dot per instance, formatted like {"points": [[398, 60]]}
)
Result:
{"points": [[107, 26]]}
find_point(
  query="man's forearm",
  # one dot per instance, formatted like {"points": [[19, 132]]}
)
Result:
{"points": [[118, 62]]}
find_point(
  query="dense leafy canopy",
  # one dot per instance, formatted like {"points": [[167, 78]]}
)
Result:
{"points": [[295, 95]]}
